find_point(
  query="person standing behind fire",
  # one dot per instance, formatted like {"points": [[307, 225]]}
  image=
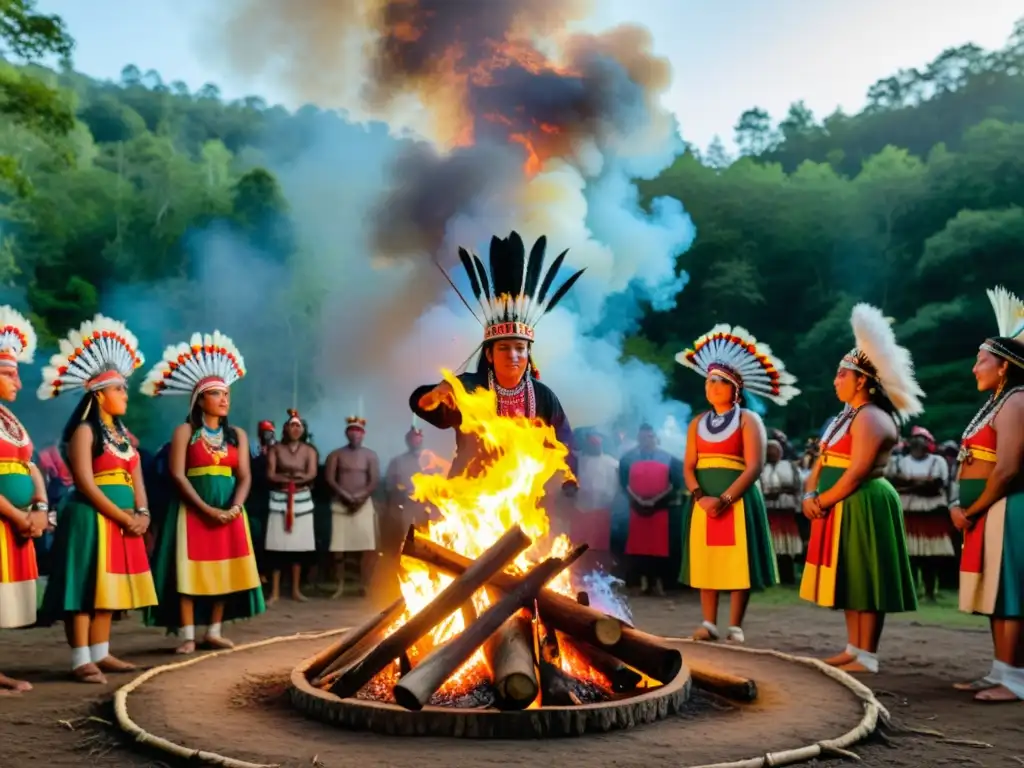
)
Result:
{"points": [[291, 470], [591, 521], [921, 477], [352, 473], [652, 479]]}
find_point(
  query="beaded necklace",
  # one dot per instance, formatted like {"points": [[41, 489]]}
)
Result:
{"points": [[11, 430], [116, 442], [518, 401], [982, 419]]}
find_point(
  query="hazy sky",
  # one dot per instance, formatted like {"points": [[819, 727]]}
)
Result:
{"points": [[727, 55]]}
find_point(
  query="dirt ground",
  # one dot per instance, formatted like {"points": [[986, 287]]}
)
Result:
{"points": [[48, 726]]}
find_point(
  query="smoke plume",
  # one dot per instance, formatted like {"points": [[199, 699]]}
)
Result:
{"points": [[465, 119]]}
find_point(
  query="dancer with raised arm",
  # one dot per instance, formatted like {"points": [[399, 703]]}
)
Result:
{"points": [[727, 545], [23, 507], [99, 555], [204, 565], [990, 510], [513, 299], [857, 558]]}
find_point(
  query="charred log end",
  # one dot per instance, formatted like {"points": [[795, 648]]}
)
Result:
{"points": [[608, 631], [406, 698], [624, 679]]}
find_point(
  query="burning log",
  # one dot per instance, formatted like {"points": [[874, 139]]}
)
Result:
{"points": [[451, 599], [563, 613], [353, 643], [509, 652], [416, 688], [622, 677], [722, 683]]}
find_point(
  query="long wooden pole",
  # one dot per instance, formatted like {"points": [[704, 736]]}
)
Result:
{"points": [[415, 689], [451, 598], [340, 652]]}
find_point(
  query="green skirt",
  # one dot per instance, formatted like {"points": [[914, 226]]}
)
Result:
{"points": [[208, 563], [992, 560], [95, 566], [732, 551], [857, 556]]}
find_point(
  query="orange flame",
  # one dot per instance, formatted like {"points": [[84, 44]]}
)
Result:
{"points": [[476, 511]]}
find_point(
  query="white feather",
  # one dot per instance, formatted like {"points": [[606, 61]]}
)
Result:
{"points": [[194, 362], [116, 348], [1009, 312], [876, 341]]}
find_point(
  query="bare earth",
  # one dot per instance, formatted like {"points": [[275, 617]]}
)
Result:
{"points": [[48, 727]]}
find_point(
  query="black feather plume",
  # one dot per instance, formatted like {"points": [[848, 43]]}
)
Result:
{"points": [[534, 266], [549, 278], [483, 276], [467, 264], [563, 290], [516, 255]]}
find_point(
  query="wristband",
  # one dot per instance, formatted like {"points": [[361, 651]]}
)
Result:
{"points": [[810, 495], [142, 512], [40, 506], [697, 493], [726, 499]]}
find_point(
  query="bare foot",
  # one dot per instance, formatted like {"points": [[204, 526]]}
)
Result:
{"points": [[9, 684], [981, 684], [220, 643], [999, 694], [114, 664], [659, 589], [845, 657], [299, 597], [89, 673], [339, 592], [853, 666], [189, 646], [272, 599]]}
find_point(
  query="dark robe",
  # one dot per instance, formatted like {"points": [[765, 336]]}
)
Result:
{"points": [[467, 447]]}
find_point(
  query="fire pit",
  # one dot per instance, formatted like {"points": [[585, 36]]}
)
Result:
{"points": [[531, 663]]}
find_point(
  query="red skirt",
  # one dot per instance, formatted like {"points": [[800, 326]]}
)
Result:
{"points": [[648, 534]]}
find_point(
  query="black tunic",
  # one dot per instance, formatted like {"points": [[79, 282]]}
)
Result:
{"points": [[467, 447]]}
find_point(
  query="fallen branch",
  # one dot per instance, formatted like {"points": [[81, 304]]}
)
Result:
{"points": [[967, 743]]}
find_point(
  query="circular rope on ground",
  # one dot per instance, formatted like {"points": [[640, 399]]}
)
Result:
{"points": [[837, 747], [144, 737]]}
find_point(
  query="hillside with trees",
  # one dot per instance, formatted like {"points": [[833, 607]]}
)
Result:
{"points": [[915, 204]]}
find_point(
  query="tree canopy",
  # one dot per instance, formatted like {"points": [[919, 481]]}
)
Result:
{"points": [[916, 204]]}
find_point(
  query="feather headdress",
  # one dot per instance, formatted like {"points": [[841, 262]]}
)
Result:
{"points": [[209, 361], [100, 353], [17, 338], [735, 355], [1009, 309], [879, 357], [513, 298]]}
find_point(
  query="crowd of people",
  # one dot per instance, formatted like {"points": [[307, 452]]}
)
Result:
{"points": [[852, 520]]}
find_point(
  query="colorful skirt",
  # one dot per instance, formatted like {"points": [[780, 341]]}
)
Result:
{"points": [[857, 556], [734, 550], [18, 569], [786, 539], [929, 534], [301, 535], [992, 560], [96, 565], [205, 560]]}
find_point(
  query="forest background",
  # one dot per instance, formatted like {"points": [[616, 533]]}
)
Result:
{"points": [[916, 204]]}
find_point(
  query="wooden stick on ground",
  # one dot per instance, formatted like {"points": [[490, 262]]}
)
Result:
{"points": [[353, 643], [451, 599], [415, 689], [509, 652], [716, 681]]}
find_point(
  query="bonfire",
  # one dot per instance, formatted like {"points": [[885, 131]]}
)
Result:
{"points": [[495, 610]]}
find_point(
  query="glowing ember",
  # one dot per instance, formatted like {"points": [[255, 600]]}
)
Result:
{"points": [[523, 461]]}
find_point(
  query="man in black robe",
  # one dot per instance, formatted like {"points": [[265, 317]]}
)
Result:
{"points": [[512, 298]]}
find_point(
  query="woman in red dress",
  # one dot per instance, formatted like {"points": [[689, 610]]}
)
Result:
{"points": [[99, 554], [23, 508]]}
